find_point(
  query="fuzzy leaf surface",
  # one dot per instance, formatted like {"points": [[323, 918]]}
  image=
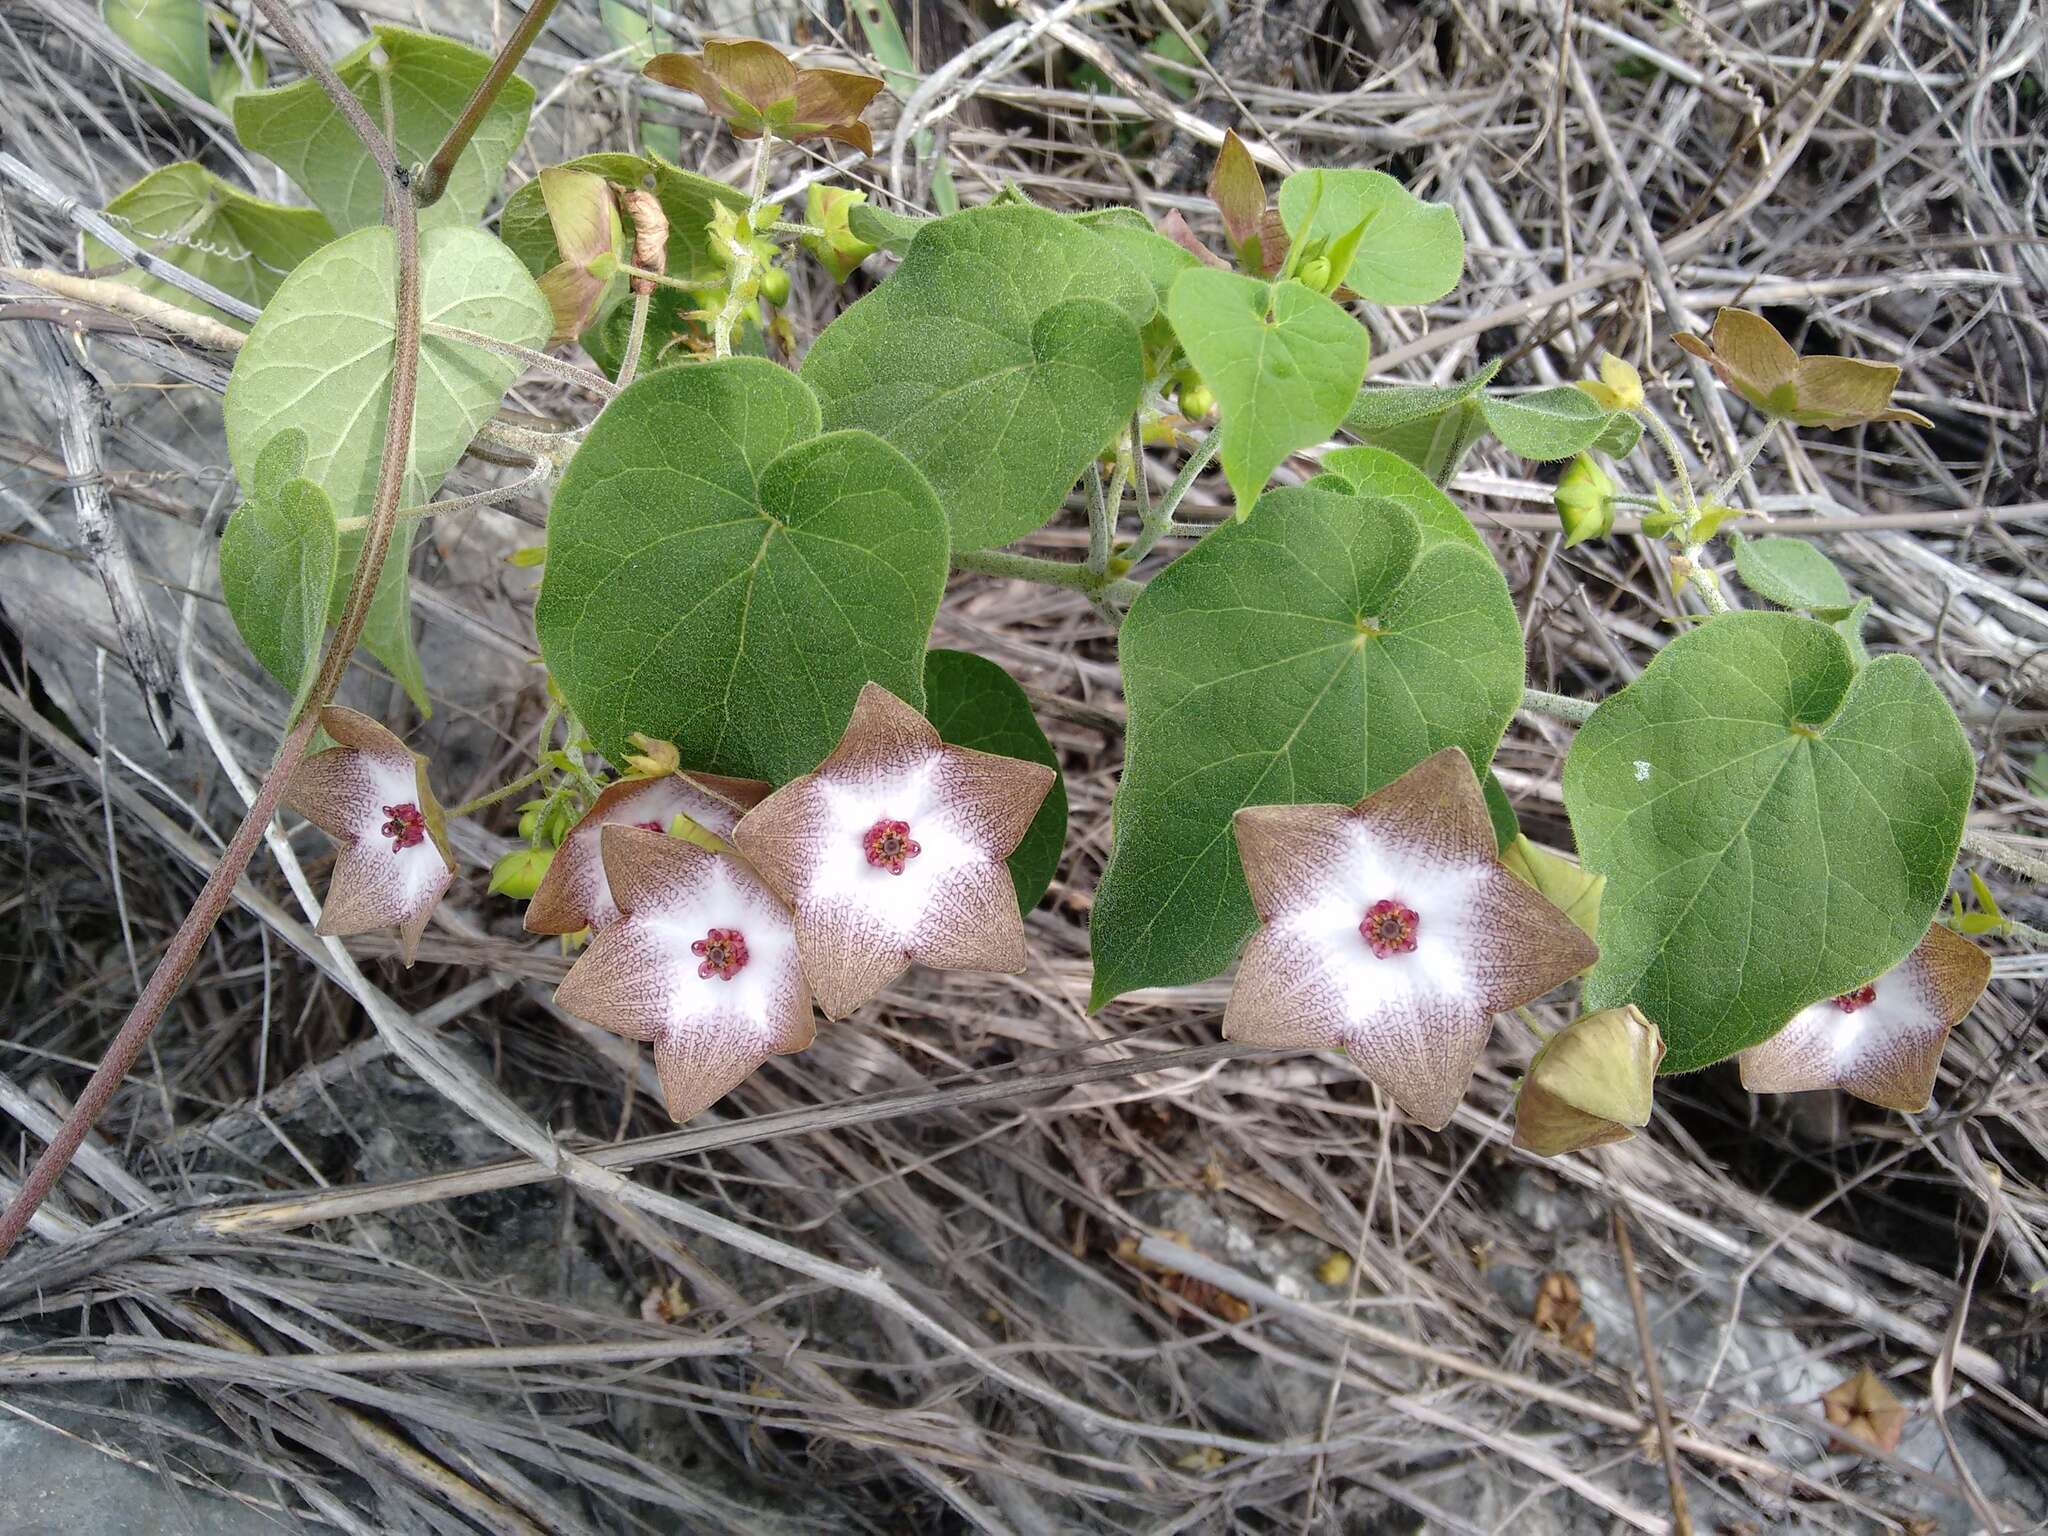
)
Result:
{"points": [[277, 558], [319, 360], [722, 576], [1412, 252], [1776, 826], [1000, 357], [424, 81], [1310, 654]]}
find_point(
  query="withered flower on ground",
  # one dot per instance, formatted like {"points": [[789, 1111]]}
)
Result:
{"points": [[754, 88], [1391, 931], [892, 852], [1752, 359], [370, 794], [701, 961], [1882, 1042], [574, 894], [1866, 1408]]}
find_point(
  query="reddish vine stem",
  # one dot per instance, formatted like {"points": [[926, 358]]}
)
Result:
{"points": [[433, 181], [186, 944]]}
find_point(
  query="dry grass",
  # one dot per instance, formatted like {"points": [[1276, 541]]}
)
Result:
{"points": [[925, 1283]]}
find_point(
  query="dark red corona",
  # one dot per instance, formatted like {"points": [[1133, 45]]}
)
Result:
{"points": [[722, 953], [407, 828], [888, 845], [1862, 997], [1390, 928]]}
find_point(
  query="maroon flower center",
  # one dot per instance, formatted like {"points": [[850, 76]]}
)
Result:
{"points": [[1390, 928], [407, 828], [888, 844], [722, 953], [1862, 997], [648, 826]]}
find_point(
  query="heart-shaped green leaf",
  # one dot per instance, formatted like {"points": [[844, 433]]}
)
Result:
{"points": [[171, 34], [1001, 357], [1412, 252], [1284, 361], [1309, 654], [195, 221], [277, 561], [1776, 827], [721, 576], [1547, 424], [416, 83], [319, 360], [972, 702], [1792, 574]]}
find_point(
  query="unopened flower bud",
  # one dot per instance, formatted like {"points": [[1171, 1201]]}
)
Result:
{"points": [[775, 286], [651, 759], [518, 874], [1585, 501], [1197, 399], [1589, 1084], [1315, 273], [650, 233]]}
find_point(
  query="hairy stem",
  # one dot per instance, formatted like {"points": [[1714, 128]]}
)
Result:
{"points": [[433, 181], [1558, 706], [1159, 518], [187, 944], [636, 336], [741, 261], [492, 797]]}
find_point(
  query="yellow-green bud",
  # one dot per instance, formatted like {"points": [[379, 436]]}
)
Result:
{"points": [[1585, 502], [1197, 399], [529, 819], [518, 874], [775, 286], [1315, 273], [1590, 1084]]}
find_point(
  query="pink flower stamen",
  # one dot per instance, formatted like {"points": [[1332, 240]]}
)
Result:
{"points": [[407, 828], [1390, 928], [888, 844], [1862, 997], [723, 952], [650, 826]]}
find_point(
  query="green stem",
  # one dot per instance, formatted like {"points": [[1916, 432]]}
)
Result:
{"points": [[1047, 573], [1159, 520], [1692, 549], [503, 792], [1101, 521], [1558, 706], [636, 336], [561, 368], [740, 265], [1750, 450], [433, 181]]}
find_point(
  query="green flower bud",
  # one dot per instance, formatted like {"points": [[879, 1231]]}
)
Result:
{"points": [[518, 873], [529, 819], [1585, 501], [1590, 1084], [1315, 273], [1197, 399], [775, 286]]}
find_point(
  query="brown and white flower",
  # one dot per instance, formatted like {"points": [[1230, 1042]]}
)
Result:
{"points": [[370, 794], [1882, 1042], [892, 851], [1391, 931], [701, 961], [574, 894]]}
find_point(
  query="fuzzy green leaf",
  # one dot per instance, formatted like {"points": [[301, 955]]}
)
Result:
{"points": [[192, 219], [319, 360], [1001, 357], [277, 559], [424, 81], [721, 576], [1141, 245], [1310, 654], [883, 229], [1792, 574], [1383, 407], [972, 702], [1500, 810], [1412, 252], [1285, 363], [171, 34], [1547, 424], [1776, 826]]}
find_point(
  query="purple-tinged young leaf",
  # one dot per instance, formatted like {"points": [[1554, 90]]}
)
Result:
{"points": [[574, 895], [701, 962], [370, 794], [893, 851], [1392, 932], [1882, 1042], [1239, 193]]}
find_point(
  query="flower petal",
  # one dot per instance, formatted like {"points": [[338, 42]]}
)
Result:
{"points": [[835, 96], [1886, 1051], [640, 977], [861, 919], [574, 894]]}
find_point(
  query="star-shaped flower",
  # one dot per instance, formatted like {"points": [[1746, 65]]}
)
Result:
{"points": [[755, 88], [892, 851], [1392, 931], [1758, 364], [574, 895], [1867, 1409], [701, 961], [1882, 1042], [370, 794]]}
